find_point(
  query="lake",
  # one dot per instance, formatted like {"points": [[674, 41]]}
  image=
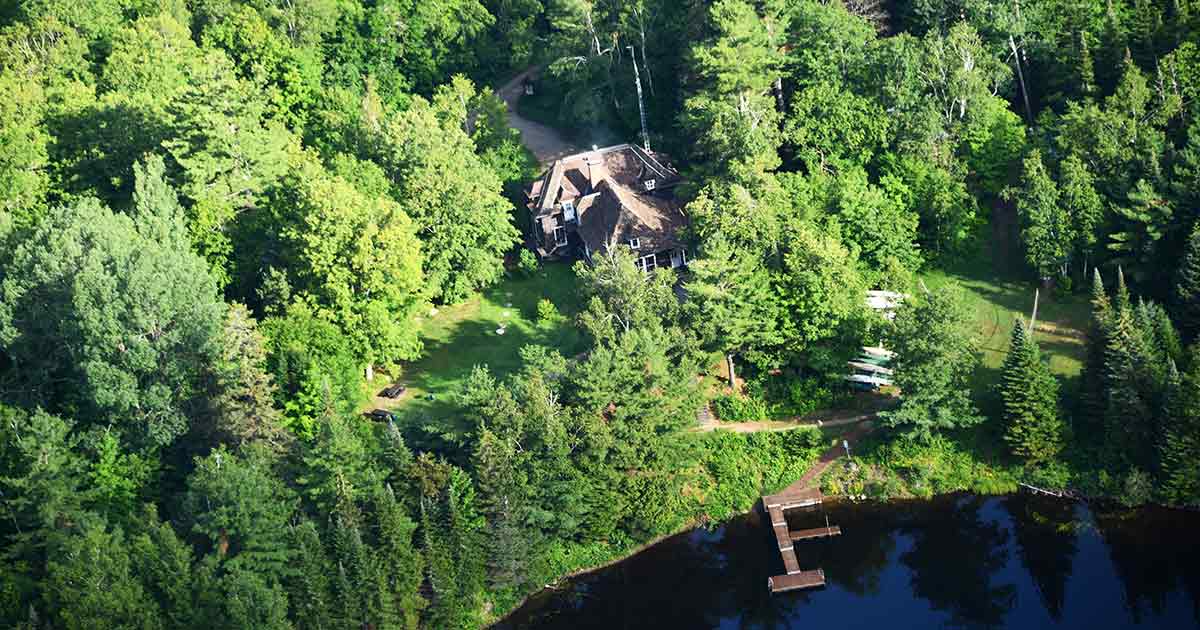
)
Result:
{"points": [[951, 562]]}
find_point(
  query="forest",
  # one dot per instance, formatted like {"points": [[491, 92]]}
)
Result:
{"points": [[219, 219]]}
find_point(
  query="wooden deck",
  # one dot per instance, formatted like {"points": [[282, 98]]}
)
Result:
{"points": [[795, 496], [795, 581], [816, 532]]}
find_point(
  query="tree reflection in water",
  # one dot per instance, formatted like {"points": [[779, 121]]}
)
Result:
{"points": [[1154, 552], [1046, 533], [954, 555], [954, 561]]}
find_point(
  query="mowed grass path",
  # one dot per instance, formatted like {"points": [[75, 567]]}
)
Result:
{"points": [[460, 336], [997, 300]]}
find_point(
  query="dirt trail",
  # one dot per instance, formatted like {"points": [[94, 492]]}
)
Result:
{"points": [[831, 455], [869, 405], [545, 143], [712, 424]]}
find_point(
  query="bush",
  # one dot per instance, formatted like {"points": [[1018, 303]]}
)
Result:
{"points": [[741, 467], [1052, 475], [808, 395], [547, 313], [1137, 489], [527, 262], [924, 469], [1063, 285], [735, 408], [784, 396]]}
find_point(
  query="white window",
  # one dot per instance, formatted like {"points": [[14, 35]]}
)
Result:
{"points": [[635, 243], [560, 236], [647, 263], [650, 184], [678, 258], [568, 210]]}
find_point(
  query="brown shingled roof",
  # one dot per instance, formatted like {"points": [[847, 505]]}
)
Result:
{"points": [[609, 189], [614, 215]]}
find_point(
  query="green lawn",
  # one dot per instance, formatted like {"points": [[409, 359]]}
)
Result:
{"points": [[1061, 320], [461, 336]]}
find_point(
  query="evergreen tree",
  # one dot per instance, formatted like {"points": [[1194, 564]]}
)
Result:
{"points": [[360, 584], [735, 120], [1112, 49], [1142, 223], [731, 303], [1185, 297], [309, 587], [1130, 412], [40, 490], [401, 564], [112, 317], [1180, 447], [1033, 428], [164, 561], [244, 394], [502, 490], [241, 508], [451, 532], [91, 583], [1086, 73]]}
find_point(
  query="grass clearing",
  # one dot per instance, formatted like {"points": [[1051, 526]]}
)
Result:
{"points": [[460, 336], [1061, 320]]}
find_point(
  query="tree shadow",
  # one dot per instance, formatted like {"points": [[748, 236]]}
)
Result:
{"points": [[96, 146], [1154, 552]]}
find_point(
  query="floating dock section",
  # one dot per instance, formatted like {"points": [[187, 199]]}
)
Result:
{"points": [[776, 505]]}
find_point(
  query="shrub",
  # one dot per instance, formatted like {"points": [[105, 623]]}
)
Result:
{"points": [[795, 396], [1052, 475], [1063, 285], [546, 311], [808, 395], [741, 467], [1137, 489], [527, 263], [735, 408]]}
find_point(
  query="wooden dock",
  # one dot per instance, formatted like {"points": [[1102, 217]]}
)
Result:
{"points": [[795, 496], [816, 532], [796, 581]]}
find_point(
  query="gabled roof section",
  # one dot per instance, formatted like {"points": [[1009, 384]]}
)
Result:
{"points": [[580, 174], [619, 192], [612, 216]]}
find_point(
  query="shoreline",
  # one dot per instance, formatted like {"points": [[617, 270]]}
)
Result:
{"points": [[1069, 495], [616, 560]]}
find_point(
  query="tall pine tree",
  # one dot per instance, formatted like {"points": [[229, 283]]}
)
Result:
{"points": [[1033, 428], [1091, 397], [1179, 474], [1185, 299]]}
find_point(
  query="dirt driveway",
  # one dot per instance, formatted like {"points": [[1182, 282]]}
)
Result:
{"points": [[545, 143]]}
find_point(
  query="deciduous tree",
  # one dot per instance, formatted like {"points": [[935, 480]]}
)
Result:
{"points": [[114, 316], [936, 354], [1045, 225]]}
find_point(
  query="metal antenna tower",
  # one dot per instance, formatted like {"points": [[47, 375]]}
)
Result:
{"points": [[641, 106]]}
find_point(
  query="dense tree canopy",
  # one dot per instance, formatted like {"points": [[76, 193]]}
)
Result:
{"points": [[112, 314], [218, 218]]}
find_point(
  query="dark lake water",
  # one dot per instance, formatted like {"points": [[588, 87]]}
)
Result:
{"points": [[953, 562]]}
